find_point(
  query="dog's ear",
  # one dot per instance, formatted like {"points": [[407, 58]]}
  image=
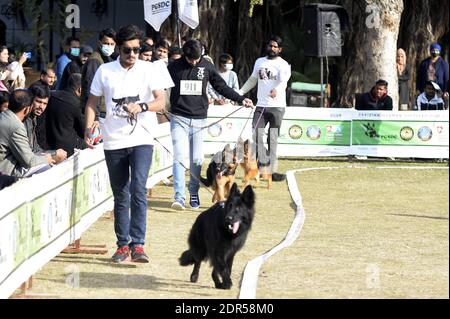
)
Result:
{"points": [[227, 148], [248, 196], [234, 191]]}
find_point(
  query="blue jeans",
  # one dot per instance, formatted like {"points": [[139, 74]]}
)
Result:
{"points": [[129, 192], [186, 131]]}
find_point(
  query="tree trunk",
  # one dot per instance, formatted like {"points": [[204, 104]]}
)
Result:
{"points": [[371, 49]]}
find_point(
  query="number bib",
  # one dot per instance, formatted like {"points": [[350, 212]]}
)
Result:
{"points": [[191, 87]]}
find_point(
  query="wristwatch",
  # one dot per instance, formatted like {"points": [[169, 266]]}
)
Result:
{"points": [[144, 107]]}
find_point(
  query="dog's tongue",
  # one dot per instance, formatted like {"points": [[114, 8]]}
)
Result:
{"points": [[236, 227]]}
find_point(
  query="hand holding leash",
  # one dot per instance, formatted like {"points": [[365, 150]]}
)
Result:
{"points": [[132, 108], [247, 103]]}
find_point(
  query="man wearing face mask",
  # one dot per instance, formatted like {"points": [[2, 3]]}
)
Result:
{"points": [[76, 65], [106, 46], [271, 73], [435, 69], [71, 51]]}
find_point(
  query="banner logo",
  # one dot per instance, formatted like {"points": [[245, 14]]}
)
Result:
{"points": [[372, 132], [425, 133], [295, 132], [314, 132], [406, 133], [215, 130]]}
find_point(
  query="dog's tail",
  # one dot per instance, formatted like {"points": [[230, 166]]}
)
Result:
{"points": [[277, 177], [205, 181], [186, 258]]}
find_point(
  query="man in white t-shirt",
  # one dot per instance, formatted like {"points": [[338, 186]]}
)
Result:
{"points": [[272, 74], [133, 92]]}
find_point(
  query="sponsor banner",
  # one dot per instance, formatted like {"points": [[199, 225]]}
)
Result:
{"points": [[188, 12], [339, 132], [401, 134], [157, 11], [43, 214]]}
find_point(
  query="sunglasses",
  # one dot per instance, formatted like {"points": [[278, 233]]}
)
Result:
{"points": [[128, 50]]}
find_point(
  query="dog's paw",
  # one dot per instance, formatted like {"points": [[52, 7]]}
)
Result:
{"points": [[194, 277], [225, 285]]}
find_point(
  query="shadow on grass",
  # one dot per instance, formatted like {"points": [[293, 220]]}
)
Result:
{"points": [[104, 261], [420, 216], [99, 280]]}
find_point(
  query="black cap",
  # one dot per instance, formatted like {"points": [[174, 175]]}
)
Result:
{"points": [[86, 49]]}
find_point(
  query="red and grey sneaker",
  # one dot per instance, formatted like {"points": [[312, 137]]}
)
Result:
{"points": [[121, 254], [138, 255]]}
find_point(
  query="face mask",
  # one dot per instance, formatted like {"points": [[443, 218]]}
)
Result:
{"points": [[107, 50], [229, 66], [75, 51], [434, 54]]}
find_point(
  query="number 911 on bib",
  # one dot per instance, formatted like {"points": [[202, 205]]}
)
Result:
{"points": [[191, 87]]}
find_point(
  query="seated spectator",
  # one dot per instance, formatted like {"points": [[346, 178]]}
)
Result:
{"points": [[16, 155], [65, 121], [48, 79], [146, 52], [375, 100], [76, 65], [11, 72], [6, 180], [35, 122], [429, 99], [4, 101]]}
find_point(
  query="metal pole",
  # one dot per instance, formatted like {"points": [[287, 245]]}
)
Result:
{"points": [[178, 24], [74, 31], [50, 44], [321, 81]]}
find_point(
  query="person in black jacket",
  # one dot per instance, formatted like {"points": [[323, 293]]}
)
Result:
{"points": [[76, 65], [65, 121], [189, 110], [104, 54], [375, 100], [433, 68], [7, 180]]}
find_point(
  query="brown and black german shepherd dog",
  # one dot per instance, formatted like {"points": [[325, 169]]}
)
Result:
{"points": [[251, 169], [220, 173], [218, 234]]}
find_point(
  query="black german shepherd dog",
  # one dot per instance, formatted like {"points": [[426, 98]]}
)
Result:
{"points": [[219, 233]]}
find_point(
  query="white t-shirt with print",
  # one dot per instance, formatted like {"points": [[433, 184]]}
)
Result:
{"points": [[271, 74], [120, 86]]}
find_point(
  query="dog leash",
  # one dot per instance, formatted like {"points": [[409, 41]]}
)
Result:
{"points": [[200, 128], [170, 153]]}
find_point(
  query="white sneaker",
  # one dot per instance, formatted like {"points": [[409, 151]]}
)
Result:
{"points": [[177, 205]]}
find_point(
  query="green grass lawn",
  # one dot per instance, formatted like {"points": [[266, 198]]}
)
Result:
{"points": [[368, 233]]}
